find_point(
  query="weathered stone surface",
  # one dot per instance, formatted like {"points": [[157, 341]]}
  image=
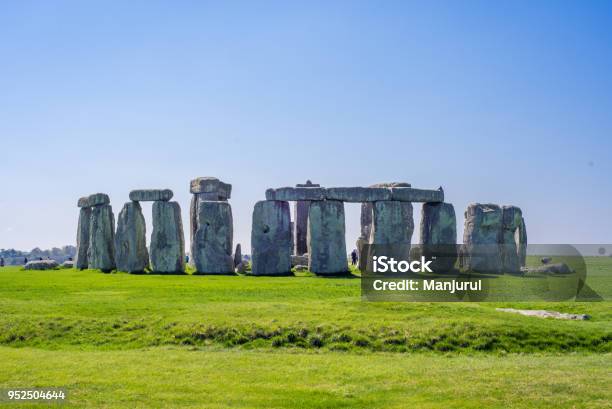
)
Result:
{"points": [[296, 193], [237, 255], [101, 253], [131, 254], [41, 265], [511, 221], [97, 199], [557, 268], [297, 260], [481, 238], [242, 267], [522, 243], [67, 264], [326, 240], [547, 314], [271, 238], [300, 240], [222, 190], [167, 239], [151, 195], [358, 194], [392, 223], [391, 184], [439, 235], [82, 241], [212, 249], [409, 194], [392, 226]]}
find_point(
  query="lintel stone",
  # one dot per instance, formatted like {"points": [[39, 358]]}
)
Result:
{"points": [[151, 195], [296, 193], [409, 194], [358, 194]]}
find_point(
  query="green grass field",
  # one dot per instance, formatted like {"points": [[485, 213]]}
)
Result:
{"points": [[120, 340]]}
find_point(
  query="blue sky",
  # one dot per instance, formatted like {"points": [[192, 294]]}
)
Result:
{"points": [[503, 102]]}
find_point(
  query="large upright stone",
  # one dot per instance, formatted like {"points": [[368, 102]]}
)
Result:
{"points": [[439, 235], [482, 236], [523, 243], [392, 227], [212, 248], [512, 220], [300, 224], [101, 253], [237, 255], [271, 238], [167, 239], [130, 239], [326, 241], [82, 241], [392, 223]]}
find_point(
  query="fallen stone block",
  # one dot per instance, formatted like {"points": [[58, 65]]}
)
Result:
{"points": [[151, 195], [546, 314], [41, 265]]}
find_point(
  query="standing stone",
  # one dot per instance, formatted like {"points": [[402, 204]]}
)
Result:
{"points": [[300, 228], [237, 255], [271, 238], [482, 236], [522, 250], [101, 253], [167, 239], [512, 220], [130, 240], [392, 226], [439, 235], [212, 249], [326, 241], [82, 242]]}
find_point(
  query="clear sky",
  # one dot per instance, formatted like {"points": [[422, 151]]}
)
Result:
{"points": [[503, 102]]}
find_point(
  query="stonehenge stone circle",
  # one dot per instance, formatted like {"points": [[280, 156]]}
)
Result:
{"points": [[131, 252], [482, 237], [101, 252], [326, 241], [82, 241], [271, 238], [439, 235], [212, 246], [151, 195], [167, 239]]}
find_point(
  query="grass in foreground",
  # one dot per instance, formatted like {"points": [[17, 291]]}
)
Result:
{"points": [[91, 310], [245, 379]]}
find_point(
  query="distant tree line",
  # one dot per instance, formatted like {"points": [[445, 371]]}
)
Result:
{"points": [[17, 257]]}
